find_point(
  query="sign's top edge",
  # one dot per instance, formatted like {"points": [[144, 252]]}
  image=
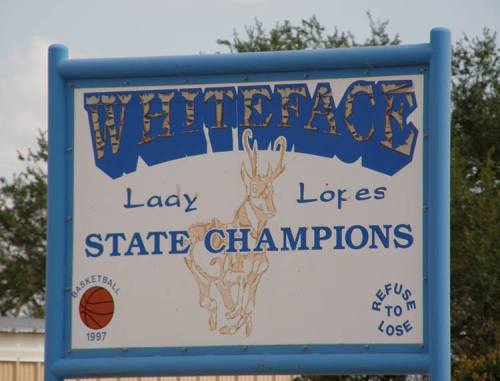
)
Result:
{"points": [[244, 63]]}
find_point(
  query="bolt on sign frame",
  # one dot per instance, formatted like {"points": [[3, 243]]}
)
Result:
{"points": [[431, 354]]}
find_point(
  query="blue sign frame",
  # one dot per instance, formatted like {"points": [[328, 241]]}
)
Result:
{"points": [[432, 357]]}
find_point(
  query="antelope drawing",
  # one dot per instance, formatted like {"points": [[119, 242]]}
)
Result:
{"points": [[236, 276]]}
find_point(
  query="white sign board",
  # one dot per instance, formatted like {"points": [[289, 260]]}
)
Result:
{"points": [[289, 225]]}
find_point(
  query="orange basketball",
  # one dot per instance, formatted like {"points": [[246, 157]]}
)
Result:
{"points": [[96, 308]]}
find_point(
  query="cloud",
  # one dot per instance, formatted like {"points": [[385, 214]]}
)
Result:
{"points": [[23, 101]]}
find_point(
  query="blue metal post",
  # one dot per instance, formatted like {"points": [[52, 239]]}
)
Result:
{"points": [[247, 63], [54, 323], [439, 208]]}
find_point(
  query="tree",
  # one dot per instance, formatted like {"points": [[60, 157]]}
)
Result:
{"points": [[476, 98], [476, 196], [23, 223], [310, 34]]}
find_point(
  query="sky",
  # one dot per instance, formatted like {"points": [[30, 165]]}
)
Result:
{"points": [[131, 28]]}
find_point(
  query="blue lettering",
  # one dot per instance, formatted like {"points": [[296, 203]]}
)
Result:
{"points": [[370, 122], [380, 193], [156, 241], [190, 202], [114, 240], [173, 200], [349, 234], [363, 194], [154, 202], [383, 237], [321, 233], [338, 237], [93, 241], [129, 203], [301, 198], [293, 241], [407, 326], [411, 305], [219, 241], [403, 239], [265, 238], [340, 198], [136, 243], [381, 326], [398, 288], [327, 196], [233, 239], [406, 294], [177, 241], [399, 330]]}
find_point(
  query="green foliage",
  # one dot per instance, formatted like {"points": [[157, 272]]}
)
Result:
{"points": [[476, 196], [477, 368], [475, 266], [23, 223], [310, 34], [476, 99]]}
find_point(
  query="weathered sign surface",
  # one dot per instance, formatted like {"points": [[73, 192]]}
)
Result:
{"points": [[249, 213]]}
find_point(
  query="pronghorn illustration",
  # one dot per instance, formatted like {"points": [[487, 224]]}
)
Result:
{"points": [[235, 276]]}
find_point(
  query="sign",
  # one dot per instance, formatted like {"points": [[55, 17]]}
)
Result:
{"points": [[230, 206], [271, 219]]}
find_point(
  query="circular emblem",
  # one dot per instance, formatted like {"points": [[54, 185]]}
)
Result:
{"points": [[96, 308]]}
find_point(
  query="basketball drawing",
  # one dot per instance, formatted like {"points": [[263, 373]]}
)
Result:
{"points": [[96, 308]]}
